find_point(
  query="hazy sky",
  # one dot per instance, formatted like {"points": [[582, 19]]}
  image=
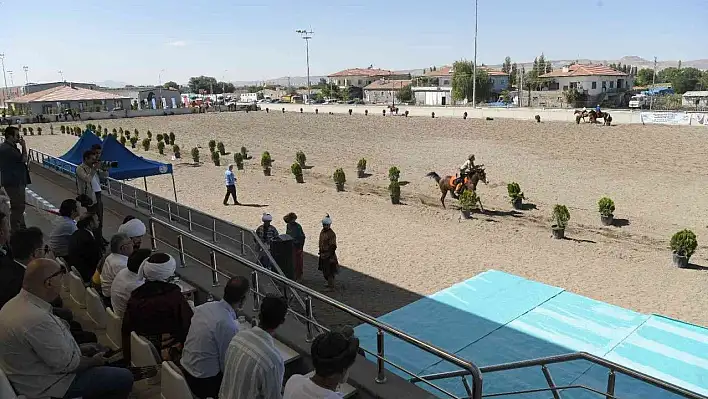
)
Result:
{"points": [[132, 41]]}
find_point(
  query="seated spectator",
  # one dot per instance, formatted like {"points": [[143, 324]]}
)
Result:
{"points": [[27, 244], [121, 249], [64, 227], [135, 229], [85, 249], [333, 353], [38, 353], [214, 324], [157, 309], [254, 367], [127, 280], [128, 219]]}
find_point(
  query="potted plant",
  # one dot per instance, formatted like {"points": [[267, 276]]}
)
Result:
{"points": [[238, 159], [120, 131], [300, 158], [468, 202], [361, 168], [383, 111], [394, 188], [222, 149], [244, 153], [432, 114], [515, 195], [172, 138], [216, 158], [99, 128], [24, 131], [350, 111], [266, 163], [394, 173], [212, 145], [133, 141], [607, 208], [149, 134], [63, 129], [127, 134], [176, 151], [160, 137], [297, 171], [560, 221], [683, 245], [339, 179], [105, 131], [115, 131], [366, 112], [146, 144], [123, 140], [195, 155], [160, 147], [39, 131], [31, 131]]}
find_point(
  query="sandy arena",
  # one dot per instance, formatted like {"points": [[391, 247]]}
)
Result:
{"points": [[653, 173]]}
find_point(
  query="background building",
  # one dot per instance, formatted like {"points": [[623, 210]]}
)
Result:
{"points": [[58, 99], [164, 98], [384, 91]]}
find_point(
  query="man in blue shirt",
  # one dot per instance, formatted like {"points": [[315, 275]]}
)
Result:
{"points": [[597, 109], [230, 179], [213, 326]]}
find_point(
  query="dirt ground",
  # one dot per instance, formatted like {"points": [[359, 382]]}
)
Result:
{"points": [[653, 173]]}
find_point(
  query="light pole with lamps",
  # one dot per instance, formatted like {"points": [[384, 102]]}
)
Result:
{"points": [[307, 35], [474, 64], [2, 60], [61, 73], [12, 81], [26, 68], [159, 82]]}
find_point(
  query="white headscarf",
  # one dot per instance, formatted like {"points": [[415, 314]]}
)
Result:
{"points": [[133, 228], [157, 271], [267, 217], [327, 221]]}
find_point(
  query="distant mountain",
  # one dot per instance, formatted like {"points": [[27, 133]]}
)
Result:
{"points": [[111, 84], [632, 60]]}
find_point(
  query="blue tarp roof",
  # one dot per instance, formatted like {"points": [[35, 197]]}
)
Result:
{"points": [[76, 154], [130, 166], [658, 91]]}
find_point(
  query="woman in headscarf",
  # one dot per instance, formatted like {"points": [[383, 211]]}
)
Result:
{"points": [[328, 264], [157, 309], [294, 230]]}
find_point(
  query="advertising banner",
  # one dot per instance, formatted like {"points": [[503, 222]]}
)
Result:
{"points": [[666, 118], [699, 120]]}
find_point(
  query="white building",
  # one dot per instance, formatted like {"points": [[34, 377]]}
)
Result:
{"points": [[593, 80], [249, 97], [695, 99], [435, 87], [384, 91], [362, 77]]}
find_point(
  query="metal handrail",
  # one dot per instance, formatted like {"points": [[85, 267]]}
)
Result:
{"points": [[545, 361], [35, 156], [468, 367]]}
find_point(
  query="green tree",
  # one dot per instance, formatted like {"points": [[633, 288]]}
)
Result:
{"points": [[703, 83], [644, 77], [405, 94], [171, 85], [506, 66], [682, 80], [462, 78], [514, 75]]}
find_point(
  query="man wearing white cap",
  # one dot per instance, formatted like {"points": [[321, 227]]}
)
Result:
{"points": [[135, 229], [266, 232], [328, 263]]}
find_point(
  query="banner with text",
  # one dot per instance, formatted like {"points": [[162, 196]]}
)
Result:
{"points": [[699, 119], [666, 118]]}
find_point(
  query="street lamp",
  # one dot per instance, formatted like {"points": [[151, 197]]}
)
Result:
{"points": [[12, 81], [61, 73], [26, 68], [307, 35], [474, 65], [2, 60]]}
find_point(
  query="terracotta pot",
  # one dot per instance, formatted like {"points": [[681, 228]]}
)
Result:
{"points": [[607, 220], [680, 261], [517, 203], [558, 232]]}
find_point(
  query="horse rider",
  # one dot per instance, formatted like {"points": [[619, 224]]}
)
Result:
{"points": [[597, 109], [466, 169]]}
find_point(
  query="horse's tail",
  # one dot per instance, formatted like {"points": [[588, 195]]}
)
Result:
{"points": [[434, 175]]}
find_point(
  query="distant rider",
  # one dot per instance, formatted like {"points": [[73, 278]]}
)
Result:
{"points": [[597, 109], [465, 170]]}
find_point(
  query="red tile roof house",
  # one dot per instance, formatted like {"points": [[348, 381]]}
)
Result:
{"points": [[437, 88], [58, 99], [362, 77], [594, 80], [384, 91]]}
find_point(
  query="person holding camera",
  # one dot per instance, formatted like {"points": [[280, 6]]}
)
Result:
{"points": [[88, 181], [14, 174]]}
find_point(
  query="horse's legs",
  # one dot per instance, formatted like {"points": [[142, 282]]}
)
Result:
{"points": [[481, 207], [442, 198]]}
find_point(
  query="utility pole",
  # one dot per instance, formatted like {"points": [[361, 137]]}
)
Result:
{"points": [[26, 68], [521, 87], [653, 87], [62, 75], [12, 81], [307, 35], [2, 60], [474, 65]]}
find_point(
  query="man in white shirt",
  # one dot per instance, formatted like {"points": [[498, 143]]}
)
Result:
{"points": [[64, 227], [254, 367], [127, 280], [88, 181], [135, 229], [213, 326], [121, 249], [38, 353], [333, 353]]}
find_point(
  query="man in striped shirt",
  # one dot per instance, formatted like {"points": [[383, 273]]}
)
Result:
{"points": [[254, 367]]}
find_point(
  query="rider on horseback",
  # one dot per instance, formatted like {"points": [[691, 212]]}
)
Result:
{"points": [[597, 110], [465, 169]]}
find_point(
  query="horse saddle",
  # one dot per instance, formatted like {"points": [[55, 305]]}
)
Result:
{"points": [[453, 180]]}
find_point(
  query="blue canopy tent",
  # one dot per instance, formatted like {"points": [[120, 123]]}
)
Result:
{"points": [[131, 166], [67, 162]]}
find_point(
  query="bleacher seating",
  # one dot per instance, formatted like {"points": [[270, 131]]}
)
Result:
{"points": [[113, 329], [94, 307], [77, 290], [143, 353], [173, 384]]}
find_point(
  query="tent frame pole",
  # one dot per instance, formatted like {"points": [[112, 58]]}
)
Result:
{"points": [[146, 184], [174, 187]]}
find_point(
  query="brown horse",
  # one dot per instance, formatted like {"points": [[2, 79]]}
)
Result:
{"points": [[580, 115], [447, 183], [594, 116]]}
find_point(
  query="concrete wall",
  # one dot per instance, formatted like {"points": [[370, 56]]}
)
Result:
{"points": [[560, 115]]}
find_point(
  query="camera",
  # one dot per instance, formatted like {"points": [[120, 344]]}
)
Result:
{"points": [[109, 164]]}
